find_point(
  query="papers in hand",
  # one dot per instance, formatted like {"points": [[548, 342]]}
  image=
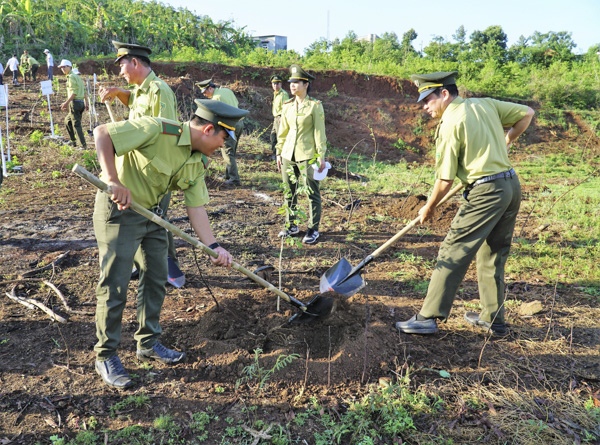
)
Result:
{"points": [[318, 176]]}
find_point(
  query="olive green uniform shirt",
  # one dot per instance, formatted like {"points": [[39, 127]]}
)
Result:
{"points": [[32, 61], [301, 132], [25, 62], [470, 141], [75, 85], [279, 97], [226, 96], [154, 157], [153, 98]]}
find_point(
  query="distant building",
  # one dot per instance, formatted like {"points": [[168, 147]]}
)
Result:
{"points": [[271, 43], [368, 38]]}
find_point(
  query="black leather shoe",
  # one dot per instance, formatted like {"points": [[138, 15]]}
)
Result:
{"points": [[112, 372], [160, 353], [414, 326], [498, 329]]}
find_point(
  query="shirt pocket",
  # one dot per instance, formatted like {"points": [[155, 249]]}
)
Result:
{"points": [[304, 121], [157, 172]]}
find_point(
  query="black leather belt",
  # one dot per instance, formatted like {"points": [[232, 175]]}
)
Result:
{"points": [[507, 174], [77, 100]]}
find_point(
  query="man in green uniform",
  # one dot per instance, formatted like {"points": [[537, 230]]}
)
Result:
{"points": [[471, 145], [151, 96], [144, 159], [225, 95], [77, 100], [24, 66], [279, 97], [301, 146], [34, 66]]}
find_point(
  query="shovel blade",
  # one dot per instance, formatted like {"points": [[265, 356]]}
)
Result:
{"points": [[338, 279], [335, 274], [319, 307], [176, 276]]}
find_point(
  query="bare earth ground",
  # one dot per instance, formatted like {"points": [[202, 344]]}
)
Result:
{"points": [[47, 381]]}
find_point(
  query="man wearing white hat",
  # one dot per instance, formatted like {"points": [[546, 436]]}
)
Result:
{"points": [[76, 103], [50, 62]]}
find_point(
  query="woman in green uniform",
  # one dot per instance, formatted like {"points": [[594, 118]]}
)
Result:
{"points": [[301, 142]]}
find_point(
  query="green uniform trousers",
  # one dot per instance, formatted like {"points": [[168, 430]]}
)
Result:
{"points": [[483, 227], [73, 121], [119, 235], [229, 152], [274, 131], [171, 250], [33, 71], [304, 172]]}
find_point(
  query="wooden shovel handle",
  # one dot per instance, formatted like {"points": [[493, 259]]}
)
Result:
{"points": [[79, 170], [110, 113], [413, 223]]}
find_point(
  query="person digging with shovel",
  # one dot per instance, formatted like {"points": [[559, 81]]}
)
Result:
{"points": [[142, 160], [150, 96], [471, 145]]}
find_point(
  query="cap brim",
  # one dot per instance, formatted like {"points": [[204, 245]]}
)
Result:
{"points": [[425, 93], [230, 132], [119, 58]]}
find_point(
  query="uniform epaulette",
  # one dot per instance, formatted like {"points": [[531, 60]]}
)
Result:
{"points": [[289, 101], [155, 86], [172, 129]]}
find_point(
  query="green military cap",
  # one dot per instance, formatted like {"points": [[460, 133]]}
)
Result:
{"points": [[297, 73], [219, 113], [427, 83], [276, 78], [125, 49], [205, 84]]}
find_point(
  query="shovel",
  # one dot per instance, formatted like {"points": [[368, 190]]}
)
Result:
{"points": [[319, 306], [345, 280]]}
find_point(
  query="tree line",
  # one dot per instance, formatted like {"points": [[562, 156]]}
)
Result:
{"points": [[543, 66]]}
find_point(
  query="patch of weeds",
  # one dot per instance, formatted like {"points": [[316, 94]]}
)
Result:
{"points": [[256, 373], [418, 127], [333, 92], [66, 151], [403, 146], [219, 390], [135, 401], [469, 305], [420, 286], [180, 69], [166, 424], [408, 257], [90, 160], [383, 414], [56, 174], [13, 164], [36, 137]]}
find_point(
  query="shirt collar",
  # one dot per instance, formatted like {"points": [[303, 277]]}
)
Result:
{"points": [[146, 83], [186, 137]]}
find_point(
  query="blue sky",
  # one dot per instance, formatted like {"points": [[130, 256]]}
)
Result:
{"points": [[307, 21]]}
